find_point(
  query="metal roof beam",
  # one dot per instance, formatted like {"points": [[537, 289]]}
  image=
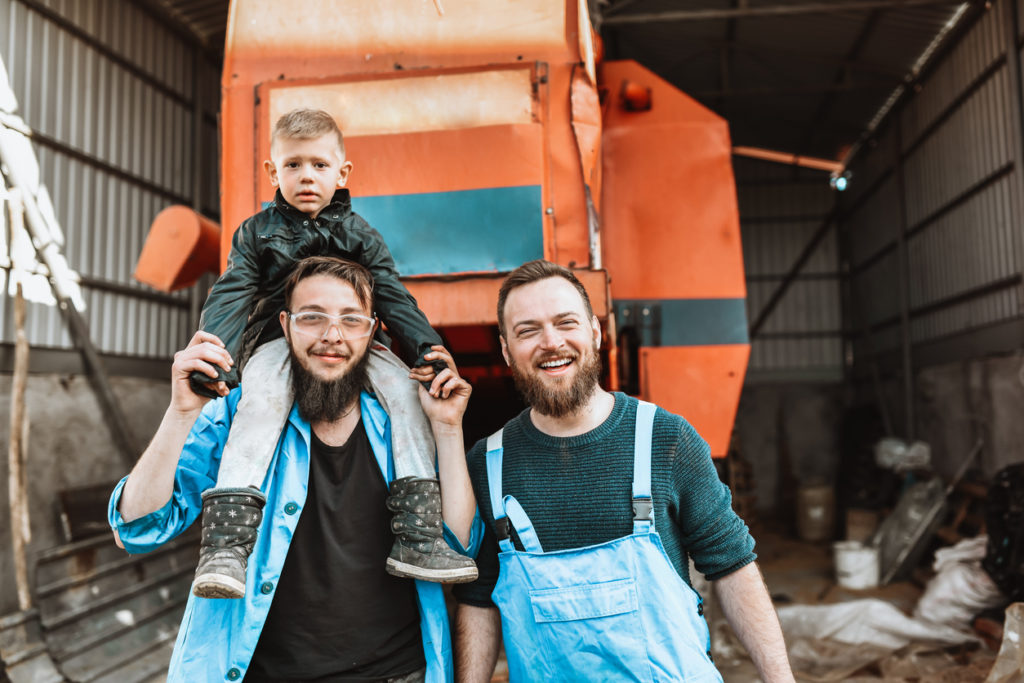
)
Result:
{"points": [[842, 76], [796, 90], [804, 55], [767, 11]]}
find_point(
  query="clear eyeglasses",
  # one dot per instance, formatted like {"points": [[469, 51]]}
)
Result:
{"points": [[349, 325]]}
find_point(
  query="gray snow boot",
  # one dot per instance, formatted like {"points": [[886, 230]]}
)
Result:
{"points": [[231, 520], [420, 551]]}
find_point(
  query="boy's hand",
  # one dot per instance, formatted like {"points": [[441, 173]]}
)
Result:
{"points": [[445, 402], [204, 351], [424, 373]]}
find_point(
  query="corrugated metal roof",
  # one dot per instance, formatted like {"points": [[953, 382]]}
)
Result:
{"points": [[206, 20], [785, 77]]}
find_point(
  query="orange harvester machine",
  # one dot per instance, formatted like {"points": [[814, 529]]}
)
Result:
{"points": [[485, 133]]}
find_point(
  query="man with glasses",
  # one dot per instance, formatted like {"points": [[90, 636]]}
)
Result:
{"points": [[319, 604], [311, 215]]}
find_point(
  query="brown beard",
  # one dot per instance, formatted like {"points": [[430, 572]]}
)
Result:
{"points": [[326, 400], [561, 401]]}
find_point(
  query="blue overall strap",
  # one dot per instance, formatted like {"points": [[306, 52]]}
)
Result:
{"points": [[643, 507], [494, 453], [523, 526]]}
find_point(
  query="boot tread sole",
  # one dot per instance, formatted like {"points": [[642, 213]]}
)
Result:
{"points": [[411, 571], [217, 586]]}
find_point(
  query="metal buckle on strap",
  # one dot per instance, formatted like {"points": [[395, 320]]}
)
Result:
{"points": [[501, 528], [642, 509]]}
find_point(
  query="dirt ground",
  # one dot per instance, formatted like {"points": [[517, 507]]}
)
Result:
{"points": [[799, 572]]}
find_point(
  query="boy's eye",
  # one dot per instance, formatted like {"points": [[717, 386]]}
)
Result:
{"points": [[321, 165], [291, 164]]}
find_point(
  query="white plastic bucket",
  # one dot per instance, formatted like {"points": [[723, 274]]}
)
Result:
{"points": [[856, 565]]}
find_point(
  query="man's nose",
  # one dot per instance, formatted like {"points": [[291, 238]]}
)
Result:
{"points": [[332, 334], [550, 337]]}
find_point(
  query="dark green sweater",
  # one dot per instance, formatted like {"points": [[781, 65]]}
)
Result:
{"points": [[578, 491]]}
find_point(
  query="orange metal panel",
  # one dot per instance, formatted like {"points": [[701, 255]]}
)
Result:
{"points": [[318, 38], [269, 43], [473, 299], [569, 239], [443, 161], [670, 220], [586, 124], [413, 101], [701, 383], [440, 161], [181, 246]]}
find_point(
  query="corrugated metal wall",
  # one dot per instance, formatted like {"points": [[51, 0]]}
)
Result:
{"points": [[109, 91], [935, 207], [781, 207]]}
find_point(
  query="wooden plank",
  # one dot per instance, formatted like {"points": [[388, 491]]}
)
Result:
{"points": [[80, 558], [118, 650], [17, 486], [109, 616], [126, 568], [22, 650], [96, 610], [148, 667]]}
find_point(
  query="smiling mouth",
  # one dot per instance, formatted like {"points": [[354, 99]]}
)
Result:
{"points": [[555, 364], [329, 357]]}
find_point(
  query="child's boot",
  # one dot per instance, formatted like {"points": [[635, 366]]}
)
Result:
{"points": [[231, 520], [420, 551]]}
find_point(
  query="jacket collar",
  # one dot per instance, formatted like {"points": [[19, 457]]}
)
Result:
{"points": [[376, 423], [341, 202]]}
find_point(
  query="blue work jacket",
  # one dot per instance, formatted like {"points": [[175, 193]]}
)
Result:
{"points": [[218, 637]]}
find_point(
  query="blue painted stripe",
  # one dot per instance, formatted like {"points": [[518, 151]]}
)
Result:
{"points": [[495, 229], [684, 322]]}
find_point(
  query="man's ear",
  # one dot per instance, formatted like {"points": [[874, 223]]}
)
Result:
{"points": [[346, 168], [283, 317], [271, 170], [596, 325], [504, 349]]}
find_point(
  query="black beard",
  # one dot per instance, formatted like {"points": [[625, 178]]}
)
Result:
{"points": [[560, 402], [326, 400]]}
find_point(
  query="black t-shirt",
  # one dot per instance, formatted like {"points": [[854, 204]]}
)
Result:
{"points": [[337, 615]]}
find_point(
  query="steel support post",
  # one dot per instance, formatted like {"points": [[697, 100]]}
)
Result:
{"points": [[1011, 33], [195, 297], [903, 284]]}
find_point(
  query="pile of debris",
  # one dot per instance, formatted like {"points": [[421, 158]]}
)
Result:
{"points": [[971, 606]]}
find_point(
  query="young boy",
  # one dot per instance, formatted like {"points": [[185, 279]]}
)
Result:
{"points": [[312, 215]]}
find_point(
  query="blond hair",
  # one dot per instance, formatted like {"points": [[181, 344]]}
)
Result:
{"points": [[306, 124]]}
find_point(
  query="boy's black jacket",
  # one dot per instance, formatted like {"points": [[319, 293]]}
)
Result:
{"points": [[244, 303]]}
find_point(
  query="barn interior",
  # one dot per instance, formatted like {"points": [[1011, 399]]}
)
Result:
{"points": [[871, 439]]}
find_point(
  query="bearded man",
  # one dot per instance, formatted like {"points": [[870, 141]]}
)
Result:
{"points": [[318, 604], [593, 502]]}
